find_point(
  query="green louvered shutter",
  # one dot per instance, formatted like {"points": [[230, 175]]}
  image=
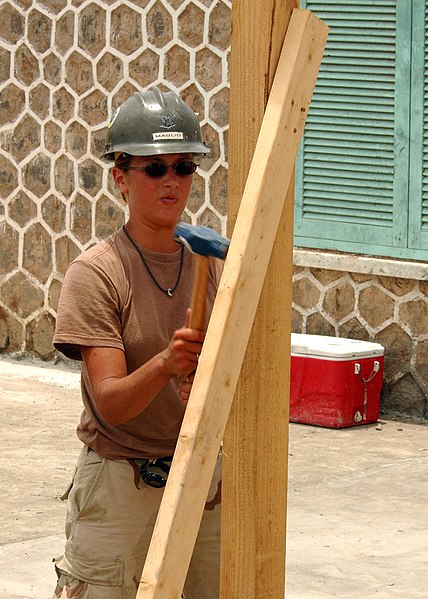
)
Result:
{"points": [[418, 185], [424, 196], [352, 170]]}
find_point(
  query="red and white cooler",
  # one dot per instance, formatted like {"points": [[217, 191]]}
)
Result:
{"points": [[334, 382]]}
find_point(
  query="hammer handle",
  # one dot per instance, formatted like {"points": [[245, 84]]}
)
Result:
{"points": [[199, 293]]}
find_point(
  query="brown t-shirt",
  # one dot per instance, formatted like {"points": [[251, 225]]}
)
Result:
{"points": [[108, 299]]}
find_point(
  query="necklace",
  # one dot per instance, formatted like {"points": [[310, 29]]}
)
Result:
{"points": [[170, 290]]}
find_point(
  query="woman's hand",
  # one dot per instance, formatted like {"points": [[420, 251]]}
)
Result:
{"points": [[182, 353], [186, 382], [185, 387]]}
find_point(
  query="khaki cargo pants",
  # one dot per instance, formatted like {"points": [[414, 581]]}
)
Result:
{"points": [[108, 530]]}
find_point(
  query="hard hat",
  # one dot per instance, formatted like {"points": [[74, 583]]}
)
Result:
{"points": [[151, 123]]}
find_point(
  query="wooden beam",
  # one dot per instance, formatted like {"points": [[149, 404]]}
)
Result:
{"points": [[258, 33], [234, 310], [255, 460]]}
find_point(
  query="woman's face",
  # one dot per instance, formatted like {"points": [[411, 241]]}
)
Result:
{"points": [[155, 202]]}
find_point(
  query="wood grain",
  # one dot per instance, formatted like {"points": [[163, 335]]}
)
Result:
{"points": [[234, 310]]}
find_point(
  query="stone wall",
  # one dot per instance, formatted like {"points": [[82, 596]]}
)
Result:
{"points": [[64, 67]]}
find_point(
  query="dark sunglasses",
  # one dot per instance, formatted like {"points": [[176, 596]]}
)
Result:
{"points": [[157, 169]]}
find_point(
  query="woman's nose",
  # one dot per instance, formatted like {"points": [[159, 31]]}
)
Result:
{"points": [[171, 177]]}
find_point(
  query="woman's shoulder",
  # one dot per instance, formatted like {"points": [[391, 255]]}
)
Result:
{"points": [[105, 255], [100, 261], [103, 250]]}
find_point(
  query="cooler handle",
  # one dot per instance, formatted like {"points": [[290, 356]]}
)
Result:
{"points": [[375, 370]]}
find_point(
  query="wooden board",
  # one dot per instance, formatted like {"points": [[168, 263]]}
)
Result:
{"points": [[255, 460], [234, 309]]}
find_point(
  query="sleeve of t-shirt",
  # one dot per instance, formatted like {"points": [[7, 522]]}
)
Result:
{"points": [[88, 312]]}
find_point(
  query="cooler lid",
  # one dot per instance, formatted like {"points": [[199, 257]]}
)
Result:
{"points": [[336, 348]]}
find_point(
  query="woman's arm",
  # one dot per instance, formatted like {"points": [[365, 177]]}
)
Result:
{"points": [[120, 396]]}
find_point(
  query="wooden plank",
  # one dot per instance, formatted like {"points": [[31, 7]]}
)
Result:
{"points": [[234, 309], [258, 33], [255, 458]]}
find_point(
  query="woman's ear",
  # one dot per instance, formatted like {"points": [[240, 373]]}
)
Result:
{"points": [[119, 178]]}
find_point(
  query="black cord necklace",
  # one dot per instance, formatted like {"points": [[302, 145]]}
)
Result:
{"points": [[170, 290]]}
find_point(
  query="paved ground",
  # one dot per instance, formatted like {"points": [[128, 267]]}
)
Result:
{"points": [[357, 512]]}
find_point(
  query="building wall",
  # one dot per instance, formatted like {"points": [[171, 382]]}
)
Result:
{"points": [[64, 67]]}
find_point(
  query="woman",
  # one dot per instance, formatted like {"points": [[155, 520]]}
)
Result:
{"points": [[123, 312]]}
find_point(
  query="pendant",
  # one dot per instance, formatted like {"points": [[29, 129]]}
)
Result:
{"points": [[169, 292]]}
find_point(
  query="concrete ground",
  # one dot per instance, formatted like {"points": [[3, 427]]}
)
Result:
{"points": [[357, 510]]}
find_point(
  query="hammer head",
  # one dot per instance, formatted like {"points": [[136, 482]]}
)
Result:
{"points": [[202, 240]]}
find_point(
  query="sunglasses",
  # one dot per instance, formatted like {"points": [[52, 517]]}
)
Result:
{"points": [[158, 169]]}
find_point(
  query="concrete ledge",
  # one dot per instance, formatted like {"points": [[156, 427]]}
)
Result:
{"points": [[384, 267]]}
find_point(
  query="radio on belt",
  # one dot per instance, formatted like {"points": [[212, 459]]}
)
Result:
{"points": [[335, 382]]}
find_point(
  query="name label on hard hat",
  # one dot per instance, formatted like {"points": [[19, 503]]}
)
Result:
{"points": [[168, 135]]}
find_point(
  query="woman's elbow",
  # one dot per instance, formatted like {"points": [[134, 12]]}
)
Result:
{"points": [[107, 406]]}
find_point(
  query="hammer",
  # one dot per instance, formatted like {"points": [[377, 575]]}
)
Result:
{"points": [[203, 242]]}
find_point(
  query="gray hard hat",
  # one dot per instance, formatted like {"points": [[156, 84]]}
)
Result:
{"points": [[151, 123]]}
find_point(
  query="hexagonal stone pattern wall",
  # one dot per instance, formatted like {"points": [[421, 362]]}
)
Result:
{"points": [[64, 67]]}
